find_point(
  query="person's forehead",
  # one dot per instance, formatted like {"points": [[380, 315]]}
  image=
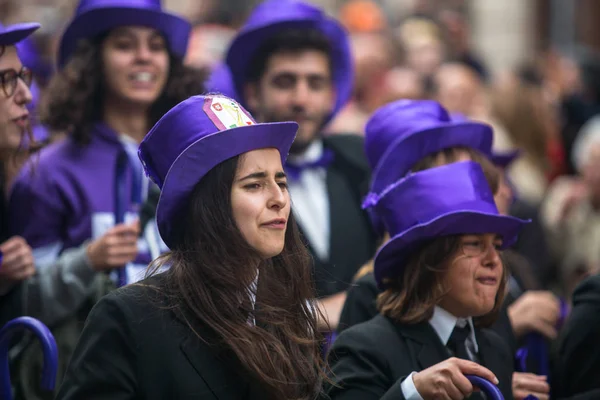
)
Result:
{"points": [[10, 59]]}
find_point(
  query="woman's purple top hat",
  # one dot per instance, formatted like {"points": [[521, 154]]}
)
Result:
{"points": [[454, 199], [94, 17], [13, 34], [273, 16], [192, 138]]}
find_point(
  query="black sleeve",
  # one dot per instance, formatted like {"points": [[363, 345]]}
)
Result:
{"points": [[361, 303], [103, 365], [576, 365], [359, 369]]}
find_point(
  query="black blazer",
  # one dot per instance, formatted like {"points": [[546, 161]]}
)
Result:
{"points": [[370, 360], [576, 357], [133, 347], [352, 241]]}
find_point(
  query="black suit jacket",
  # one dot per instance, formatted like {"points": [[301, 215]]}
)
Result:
{"points": [[134, 347], [370, 360], [576, 358], [352, 240]]}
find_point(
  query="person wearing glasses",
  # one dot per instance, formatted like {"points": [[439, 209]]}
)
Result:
{"points": [[16, 259], [120, 68], [442, 282]]}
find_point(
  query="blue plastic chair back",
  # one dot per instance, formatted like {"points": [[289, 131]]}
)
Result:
{"points": [[49, 348]]}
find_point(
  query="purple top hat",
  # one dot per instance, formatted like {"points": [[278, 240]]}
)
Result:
{"points": [[94, 17], [273, 16], [454, 199], [403, 132], [192, 138], [13, 34], [501, 159], [221, 81]]}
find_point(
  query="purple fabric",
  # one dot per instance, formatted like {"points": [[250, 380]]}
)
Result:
{"points": [[452, 199], [401, 133], [293, 171], [192, 138], [66, 193], [273, 16], [94, 17], [220, 81], [13, 34]]}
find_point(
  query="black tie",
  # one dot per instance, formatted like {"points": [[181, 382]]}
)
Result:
{"points": [[458, 345]]}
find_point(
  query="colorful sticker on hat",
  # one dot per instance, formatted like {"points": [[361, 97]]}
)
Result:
{"points": [[226, 113]]}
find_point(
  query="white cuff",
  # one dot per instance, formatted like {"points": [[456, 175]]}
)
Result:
{"points": [[408, 388]]}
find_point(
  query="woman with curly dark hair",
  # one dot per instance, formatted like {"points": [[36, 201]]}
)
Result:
{"points": [[120, 70]]}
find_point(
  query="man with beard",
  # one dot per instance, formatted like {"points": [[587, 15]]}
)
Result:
{"points": [[292, 62]]}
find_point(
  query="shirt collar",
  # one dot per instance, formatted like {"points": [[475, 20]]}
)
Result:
{"points": [[443, 324], [313, 152]]}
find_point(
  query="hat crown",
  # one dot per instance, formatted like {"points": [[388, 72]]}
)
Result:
{"points": [[400, 119], [186, 123], [87, 5], [273, 11], [424, 196]]}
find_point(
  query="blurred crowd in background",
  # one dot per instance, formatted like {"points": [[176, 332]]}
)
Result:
{"points": [[528, 68]]}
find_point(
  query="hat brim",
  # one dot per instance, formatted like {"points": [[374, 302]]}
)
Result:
{"points": [[13, 34], [244, 47], [191, 166], [403, 153], [391, 258], [503, 160], [94, 22]]}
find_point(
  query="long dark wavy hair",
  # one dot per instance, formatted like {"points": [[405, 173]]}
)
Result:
{"points": [[212, 268], [74, 99]]}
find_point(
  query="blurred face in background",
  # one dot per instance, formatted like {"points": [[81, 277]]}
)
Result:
{"points": [[136, 65], [459, 90], [295, 86], [591, 171]]}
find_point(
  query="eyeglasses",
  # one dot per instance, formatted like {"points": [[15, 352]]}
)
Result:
{"points": [[9, 77], [474, 247]]}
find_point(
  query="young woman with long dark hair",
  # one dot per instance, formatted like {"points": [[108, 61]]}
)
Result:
{"points": [[233, 317]]}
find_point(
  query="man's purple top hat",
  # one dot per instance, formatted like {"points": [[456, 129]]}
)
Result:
{"points": [[94, 17], [192, 138], [273, 16], [221, 81], [13, 34], [453, 199]]}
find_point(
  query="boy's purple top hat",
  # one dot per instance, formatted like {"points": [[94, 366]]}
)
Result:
{"points": [[453, 199]]}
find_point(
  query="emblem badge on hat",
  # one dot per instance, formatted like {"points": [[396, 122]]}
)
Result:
{"points": [[226, 113]]}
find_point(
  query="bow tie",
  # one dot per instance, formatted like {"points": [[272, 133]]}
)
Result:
{"points": [[293, 171]]}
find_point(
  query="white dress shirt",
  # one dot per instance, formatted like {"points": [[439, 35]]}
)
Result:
{"points": [[310, 200]]}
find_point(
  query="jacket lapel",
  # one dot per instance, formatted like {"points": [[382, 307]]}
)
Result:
{"points": [[427, 347], [219, 374]]}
